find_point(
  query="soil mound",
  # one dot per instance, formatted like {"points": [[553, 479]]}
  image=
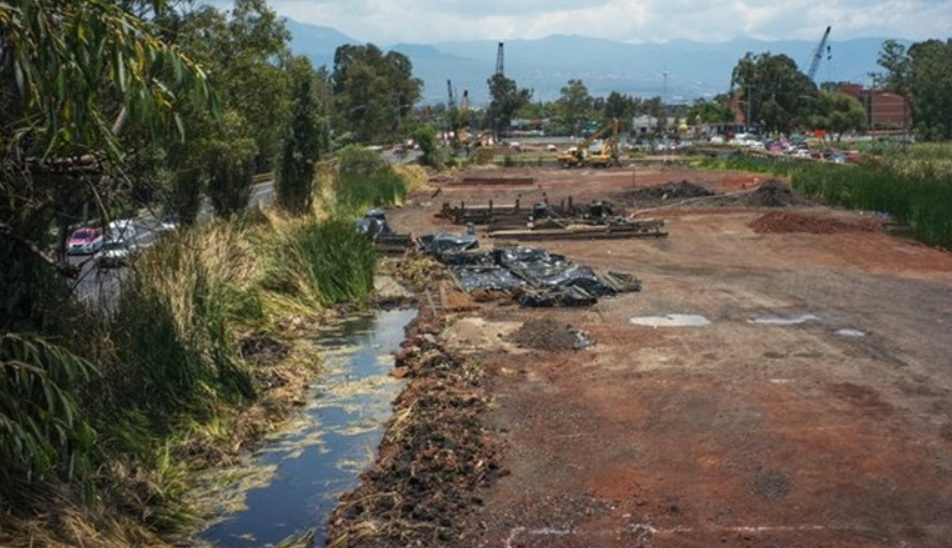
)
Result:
{"points": [[785, 222], [771, 194], [669, 191], [545, 334]]}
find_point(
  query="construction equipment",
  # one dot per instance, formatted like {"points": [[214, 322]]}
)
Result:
{"points": [[451, 102], [818, 55], [500, 55], [605, 156]]}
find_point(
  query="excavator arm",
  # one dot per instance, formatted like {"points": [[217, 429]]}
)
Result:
{"points": [[577, 157]]}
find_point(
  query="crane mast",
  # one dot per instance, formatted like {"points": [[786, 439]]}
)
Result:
{"points": [[818, 55], [500, 68]]}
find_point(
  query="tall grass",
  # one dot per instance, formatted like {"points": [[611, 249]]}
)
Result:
{"points": [[922, 201], [913, 185], [778, 167], [173, 325], [335, 263], [362, 179]]}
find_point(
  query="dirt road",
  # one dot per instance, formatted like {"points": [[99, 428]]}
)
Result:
{"points": [[814, 409]]}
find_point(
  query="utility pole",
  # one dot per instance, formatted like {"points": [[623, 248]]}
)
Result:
{"points": [[749, 104]]}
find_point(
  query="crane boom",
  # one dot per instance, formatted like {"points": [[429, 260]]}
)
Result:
{"points": [[818, 55]]}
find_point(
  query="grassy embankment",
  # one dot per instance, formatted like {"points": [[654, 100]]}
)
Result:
{"points": [[101, 421], [913, 185]]}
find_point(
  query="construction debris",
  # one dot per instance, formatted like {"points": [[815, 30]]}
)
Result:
{"points": [[533, 276], [434, 457], [385, 240]]}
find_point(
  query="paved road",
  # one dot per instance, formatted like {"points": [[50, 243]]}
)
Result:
{"points": [[100, 287]]}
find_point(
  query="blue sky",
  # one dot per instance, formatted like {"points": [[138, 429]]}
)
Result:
{"points": [[433, 21]]}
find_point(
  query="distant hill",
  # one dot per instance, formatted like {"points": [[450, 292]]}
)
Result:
{"points": [[680, 70]]}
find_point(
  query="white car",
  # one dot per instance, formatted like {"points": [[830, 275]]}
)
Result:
{"points": [[115, 253]]}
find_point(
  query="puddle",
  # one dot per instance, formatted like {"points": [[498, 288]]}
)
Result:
{"points": [[851, 333], [671, 320], [780, 320], [321, 454]]}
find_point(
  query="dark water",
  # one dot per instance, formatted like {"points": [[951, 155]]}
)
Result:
{"points": [[336, 438]]}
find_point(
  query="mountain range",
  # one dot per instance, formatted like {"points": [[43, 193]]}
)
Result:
{"points": [[678, 71]]}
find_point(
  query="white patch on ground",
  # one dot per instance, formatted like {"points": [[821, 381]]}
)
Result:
{"points": [[783, 321], [851, 333], [671, 320]]}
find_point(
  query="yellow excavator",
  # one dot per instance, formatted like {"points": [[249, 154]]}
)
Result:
{"points": [[606, 156]]}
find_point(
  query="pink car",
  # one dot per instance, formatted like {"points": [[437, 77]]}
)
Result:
{"points": [[84, 241]]}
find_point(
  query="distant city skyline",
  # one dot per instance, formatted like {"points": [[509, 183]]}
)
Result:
{"points": [[641, 21]]}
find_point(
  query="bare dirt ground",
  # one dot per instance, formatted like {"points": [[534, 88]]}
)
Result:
{"points": [[836, 431]]}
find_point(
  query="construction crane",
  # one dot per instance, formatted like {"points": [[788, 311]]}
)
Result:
{"points": [[499, 60], [451, 103], [606, 156], [818, 55]]}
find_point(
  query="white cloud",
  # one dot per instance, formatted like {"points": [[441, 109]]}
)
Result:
{"points": [[430, 21]]}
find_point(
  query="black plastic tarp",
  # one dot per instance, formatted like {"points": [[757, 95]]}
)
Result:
{"points": [[445, 242]]}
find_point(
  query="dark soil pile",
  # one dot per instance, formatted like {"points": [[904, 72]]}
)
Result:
{"points": [[545, 334], [771, 194], [433, 458], [668, 191], [785, 222]]}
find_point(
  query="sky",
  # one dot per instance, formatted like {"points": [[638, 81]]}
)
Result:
{"points": [[390, 22]]}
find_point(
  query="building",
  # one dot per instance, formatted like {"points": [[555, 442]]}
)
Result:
{"points": [[884, 110]]}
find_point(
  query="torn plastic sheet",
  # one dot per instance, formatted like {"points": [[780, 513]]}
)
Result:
{"points": [[374, 223], [445, 242], [487, 277], [536, 277]]}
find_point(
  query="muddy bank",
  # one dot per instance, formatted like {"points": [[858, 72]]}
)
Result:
{"points": [[434, 457]]}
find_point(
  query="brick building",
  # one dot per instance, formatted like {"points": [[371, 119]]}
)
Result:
{"points": [[884, 110]]}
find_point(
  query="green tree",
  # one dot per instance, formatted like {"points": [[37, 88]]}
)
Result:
{"points": [[505, 99], [374, 91], [620, 107], [894, 58], [575, 105], [930, 82], [704, 111], [774, 91], [922, 75], [425, 136], [243, 51], [305, 139], [839, 113], [229, 154]]}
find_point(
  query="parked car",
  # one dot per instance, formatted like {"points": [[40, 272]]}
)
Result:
{"points": [[122, 229], [115, 253], [84, 241]]}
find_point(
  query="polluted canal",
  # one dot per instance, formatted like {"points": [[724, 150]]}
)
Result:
{"points": [[291, 484]]}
